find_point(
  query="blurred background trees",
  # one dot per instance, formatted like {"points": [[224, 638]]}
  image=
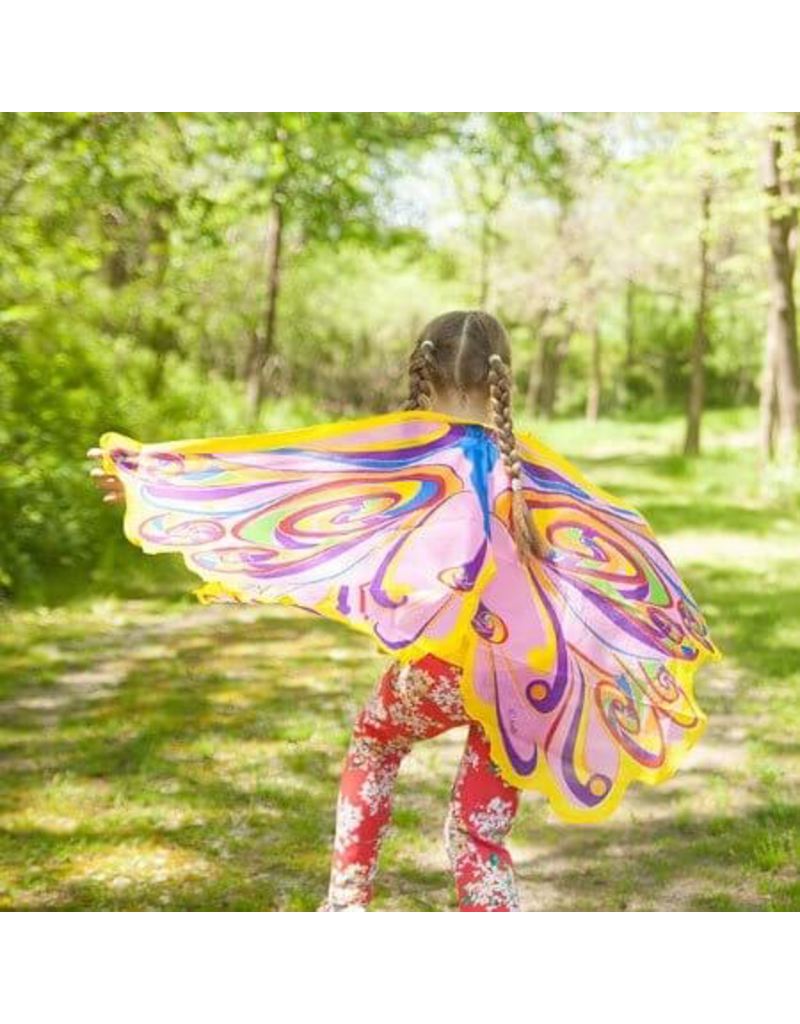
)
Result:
{"points": [[172, 275]]}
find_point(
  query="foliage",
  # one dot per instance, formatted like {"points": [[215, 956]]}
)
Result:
{"points": [[133, 279]]}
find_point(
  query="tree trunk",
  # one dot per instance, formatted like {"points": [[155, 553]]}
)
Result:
{"points": [[630, 337], [263, 344], [554, 351], [559, 355], [595, 378], [630, 326], [534, 373], [694, 409], [768, 407], [536, 376], [162, 338], [781, 370], [485, 258], [793, 191]]}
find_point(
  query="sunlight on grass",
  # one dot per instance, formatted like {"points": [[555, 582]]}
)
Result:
{"points": [[160, 755]]}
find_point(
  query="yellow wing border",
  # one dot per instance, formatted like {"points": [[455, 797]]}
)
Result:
{"points": [[542, 780], [457, 647]]}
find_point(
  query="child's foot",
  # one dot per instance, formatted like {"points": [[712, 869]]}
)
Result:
{"points": [[329, 905]]}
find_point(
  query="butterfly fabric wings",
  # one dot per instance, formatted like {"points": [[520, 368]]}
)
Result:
{"points": [[581, 666], [377, 524], [578, 666]]}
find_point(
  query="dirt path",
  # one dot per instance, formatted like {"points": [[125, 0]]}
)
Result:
{"points": [[665, 848], [641, 859]]}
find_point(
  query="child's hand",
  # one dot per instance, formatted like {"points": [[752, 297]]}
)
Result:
{"points": [[113, 491]]}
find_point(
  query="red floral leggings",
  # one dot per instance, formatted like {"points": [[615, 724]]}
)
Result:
{"points": [[410, 703]]}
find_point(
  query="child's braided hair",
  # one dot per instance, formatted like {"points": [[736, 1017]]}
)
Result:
{"points": [[468, 352]]}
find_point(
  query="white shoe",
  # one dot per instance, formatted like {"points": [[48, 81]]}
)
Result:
{"points": [[329, 906]]}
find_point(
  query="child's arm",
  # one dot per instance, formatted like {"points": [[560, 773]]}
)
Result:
{"points": [[113, 491]]}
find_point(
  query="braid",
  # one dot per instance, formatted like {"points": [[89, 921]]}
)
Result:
{"points": [[420, 373], [529, 540]]}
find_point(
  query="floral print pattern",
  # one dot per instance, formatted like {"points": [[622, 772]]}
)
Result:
{"points": [[413, 702]]}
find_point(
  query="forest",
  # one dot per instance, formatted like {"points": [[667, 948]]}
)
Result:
{"points": [[177, 275]]}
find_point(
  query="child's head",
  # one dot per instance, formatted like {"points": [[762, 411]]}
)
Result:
{"points": [[451, 358], [467, 354]]}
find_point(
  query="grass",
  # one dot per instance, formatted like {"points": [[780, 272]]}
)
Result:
{"points": [[161, 755]]}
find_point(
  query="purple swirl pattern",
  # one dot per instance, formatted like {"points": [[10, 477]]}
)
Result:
{"points": [[579, 666]]}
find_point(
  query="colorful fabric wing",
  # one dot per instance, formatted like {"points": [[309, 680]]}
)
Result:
{"points": [[579, 666], [377, 523]]}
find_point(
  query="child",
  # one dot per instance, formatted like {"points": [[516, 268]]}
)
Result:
{"points": [[461, 366], [569, 653]]}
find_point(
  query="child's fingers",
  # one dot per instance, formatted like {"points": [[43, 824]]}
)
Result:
{"points": [[102, 479], [100, 476], [109, 484]]}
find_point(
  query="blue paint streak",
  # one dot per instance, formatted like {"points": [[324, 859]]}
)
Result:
{"points": [[425, 492], [482, 454]]}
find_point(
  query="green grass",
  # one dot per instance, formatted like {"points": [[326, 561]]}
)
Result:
{"points": [[161, 755]]}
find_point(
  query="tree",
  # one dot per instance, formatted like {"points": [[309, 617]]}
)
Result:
{"points": [[696, 393], [316, 176], [595, 388], [700, 341], [780, 391], [497, 154]]}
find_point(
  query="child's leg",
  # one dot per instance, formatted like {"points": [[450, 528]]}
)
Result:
{"points": [[416, 702], [482, 809]]}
